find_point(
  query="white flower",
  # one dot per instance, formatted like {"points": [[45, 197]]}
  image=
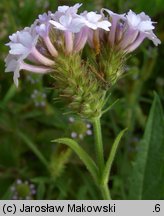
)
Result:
{"points": [[20, 45], [89, 132], [95, 21], [70, 10], [114, 19], [43, 24], [43, 29], [63, 9], [67, 19], [129, 30], [73, 134], [68, 23], [44, 18], [13, 64], [66, 10], [22, 42], [71, 119], [140, 22], [143, 24]]}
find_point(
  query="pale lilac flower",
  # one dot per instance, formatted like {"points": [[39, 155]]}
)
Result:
{"points": [[18, 181], [114, 19], [73, 134], [141, 24], [43, 24], [128, 31], [66, 10], [43, 29], [88, 125], [80, 39], [14, 64], [71, 10], [23, 43], [92, 21], [68, 23], [71, 119], [33, 49], [89, 132], [63, 9], [23, 46], [95, 21]]}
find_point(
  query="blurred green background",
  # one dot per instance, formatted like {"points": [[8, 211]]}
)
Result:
{"points": [[31, 166]]}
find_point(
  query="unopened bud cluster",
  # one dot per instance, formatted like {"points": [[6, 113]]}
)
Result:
{"points": [[54, 44]]}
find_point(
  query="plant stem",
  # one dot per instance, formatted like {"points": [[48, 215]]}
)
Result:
{"points": [[105, 192], [100, 158], [99, 144]]}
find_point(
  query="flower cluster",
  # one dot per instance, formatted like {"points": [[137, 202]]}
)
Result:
{"points": [[32, 79], [22, 190], [36, 44], [35, 48], [39, 98], [54, 43], [79, 129], [129, 30]]}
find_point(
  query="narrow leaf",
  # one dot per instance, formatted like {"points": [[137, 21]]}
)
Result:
{"points": [[41, 190], [33, 147], [107, 169], [10, 94], [146, 180], [86, 159], [110, 106]]}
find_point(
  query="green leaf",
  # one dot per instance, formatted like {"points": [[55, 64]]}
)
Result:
{"points": [[146, 181], [41, 190], [107, 169], [8, 194], [33, 147], [110, 106], [10, 94], [86, 159]]}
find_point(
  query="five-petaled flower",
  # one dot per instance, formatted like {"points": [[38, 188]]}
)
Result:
{"points": [[36, 48], [129, 30]]}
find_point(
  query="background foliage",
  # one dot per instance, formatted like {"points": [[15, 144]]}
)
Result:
{"points": [[29, 123]]}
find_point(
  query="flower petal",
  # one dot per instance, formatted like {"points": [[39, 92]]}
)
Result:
{"points": [[18, 49], [57, 25], [65, 20], [25, 38]]}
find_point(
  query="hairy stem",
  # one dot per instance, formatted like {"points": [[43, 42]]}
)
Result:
{"points": [[100, 158], [99, 144]]}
